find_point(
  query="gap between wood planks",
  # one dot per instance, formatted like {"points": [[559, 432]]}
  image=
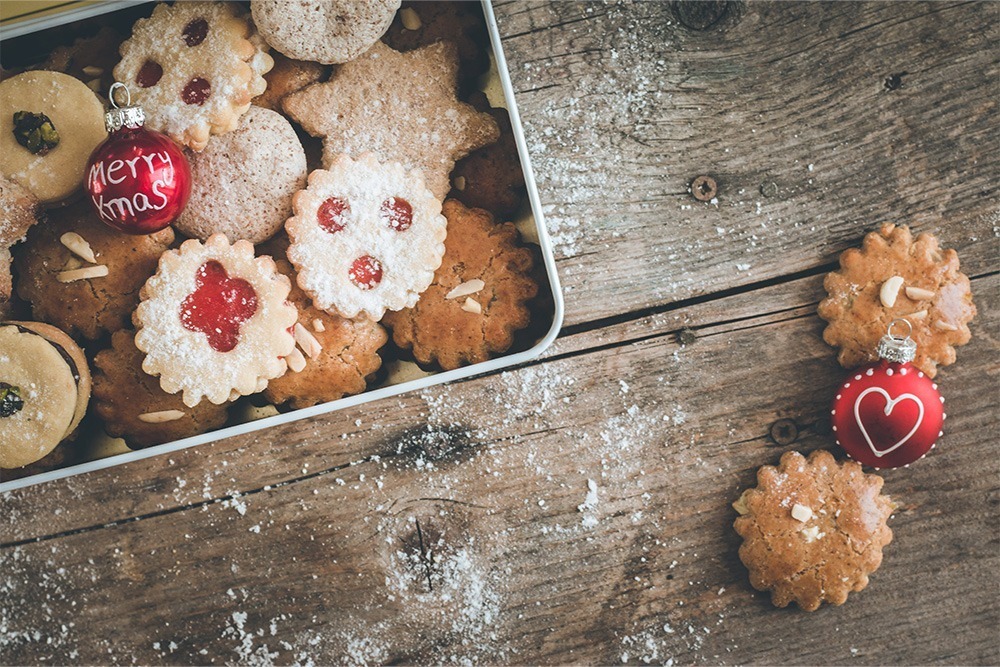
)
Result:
{"points": [[793, 312]]}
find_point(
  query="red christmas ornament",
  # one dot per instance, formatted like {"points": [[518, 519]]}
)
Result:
{"points": [[139, 180], [888, 414]]}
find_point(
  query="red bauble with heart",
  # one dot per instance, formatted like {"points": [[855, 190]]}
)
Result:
{"points": [[888, 414]]}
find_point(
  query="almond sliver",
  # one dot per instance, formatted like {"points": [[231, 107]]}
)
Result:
{"points": [[466, 288], [918, 293], [160, 417], [296, 362], [86, 272], [307, 341], [78, 246], [472, 306]]}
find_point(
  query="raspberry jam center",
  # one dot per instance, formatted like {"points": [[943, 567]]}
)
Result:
{"points": [[195, 32], [366, 272], [218, 306], [397, 213], [196, 91], [331, 214], [149, 74]]}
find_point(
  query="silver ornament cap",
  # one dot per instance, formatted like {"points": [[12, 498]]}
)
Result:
{"points": [[118, 117], [896, 348]]}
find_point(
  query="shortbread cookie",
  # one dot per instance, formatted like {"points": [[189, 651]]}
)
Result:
{"points": [[44, 391], [478, 298], [401, 106], [243, 182], [365, 237], [83, 276], [333, 356], [323, 31], [214, 321], [896, 276], [813, 529], [194, 67], [90, 59], [134, 407], [286, 77], [6, 282], [50, 123], [19, 210]]}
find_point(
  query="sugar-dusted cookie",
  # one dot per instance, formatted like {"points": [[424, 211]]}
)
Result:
{"points": [[286, 77], [365, 237], [134, 407], [813, 529], [6, 282], [44, 391], [90, 59], [243, 182], [894, 276], [478, 298], [491, 177], [193, 67], [50, 123], [214, 321], [400, 106], [18, 212], [323, 31], [82, 276], [333, 356]]}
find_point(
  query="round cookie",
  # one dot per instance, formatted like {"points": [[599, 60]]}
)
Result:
{"points": [[51, 276], [323, 31], [44, 391], [813, 529], [333, 357], [134, 407], [243, 182], [19, 211], [478, 298], [288, 76], [6, 281], [50, 173]]}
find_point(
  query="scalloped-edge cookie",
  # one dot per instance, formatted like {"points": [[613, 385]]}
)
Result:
{"points": [[365, 237], [813, 529], [194, 67], [214, 321], [895, 276]]}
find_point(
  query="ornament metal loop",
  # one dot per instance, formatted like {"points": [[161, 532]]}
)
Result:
{"points": [[118, 117], [909, 328], [118, 85], [892, 347]]}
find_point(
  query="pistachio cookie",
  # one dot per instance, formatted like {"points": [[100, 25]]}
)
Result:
{"points": [[194, 67], [83, 276], [478, 298], [895, 276], [813, 529]]}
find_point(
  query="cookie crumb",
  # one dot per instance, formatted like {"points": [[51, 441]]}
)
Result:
{"points": [[801, 513]]}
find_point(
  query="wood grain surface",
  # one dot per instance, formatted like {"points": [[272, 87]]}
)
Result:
{"points": [[576, 509]]}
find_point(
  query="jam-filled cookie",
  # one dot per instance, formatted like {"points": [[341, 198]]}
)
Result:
{"points": [[133, 406], [479, 296], [194, 67], [83, 276], [50, 123], [286, 77], [365, 237], [214, 321], [44, 391]]}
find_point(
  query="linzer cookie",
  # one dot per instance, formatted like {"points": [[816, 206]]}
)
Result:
{"points": [[478, 298], [243, 182], [365, 237], [895, 276], [134, 407], [813, 529], [214, 322], [286, 77], [194, 67], [400, 106], [333, 356], [83, 276], [323, 31]]}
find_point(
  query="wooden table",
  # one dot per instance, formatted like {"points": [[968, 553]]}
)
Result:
{"points": [[576, 510]]}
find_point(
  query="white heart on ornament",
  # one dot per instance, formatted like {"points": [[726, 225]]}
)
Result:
{"points": [[890, 403]]}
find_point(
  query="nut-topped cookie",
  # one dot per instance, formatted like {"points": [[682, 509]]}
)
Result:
{"points": [[896, 276], [813, 529]]}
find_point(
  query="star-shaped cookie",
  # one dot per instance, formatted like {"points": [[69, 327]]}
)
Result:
{"points": [[400, 106]]}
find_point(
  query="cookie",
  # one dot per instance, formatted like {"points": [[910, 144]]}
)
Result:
{"points": [[365, 237], [44, 391], [894, 276], [491, 177], [50, 123], [813, 529], [134, 407], [400, 106], [333, 358], [90, 59], [6, 281], [426, 22], [243, 182], [194, 67], [214, 322], [324, 31], [83, 276], [286, 77], [19, 210], [478, 298]]}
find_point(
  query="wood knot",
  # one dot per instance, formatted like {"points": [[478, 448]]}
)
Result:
{"points": [[434, 444], [686, 336], [702, 15]]}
